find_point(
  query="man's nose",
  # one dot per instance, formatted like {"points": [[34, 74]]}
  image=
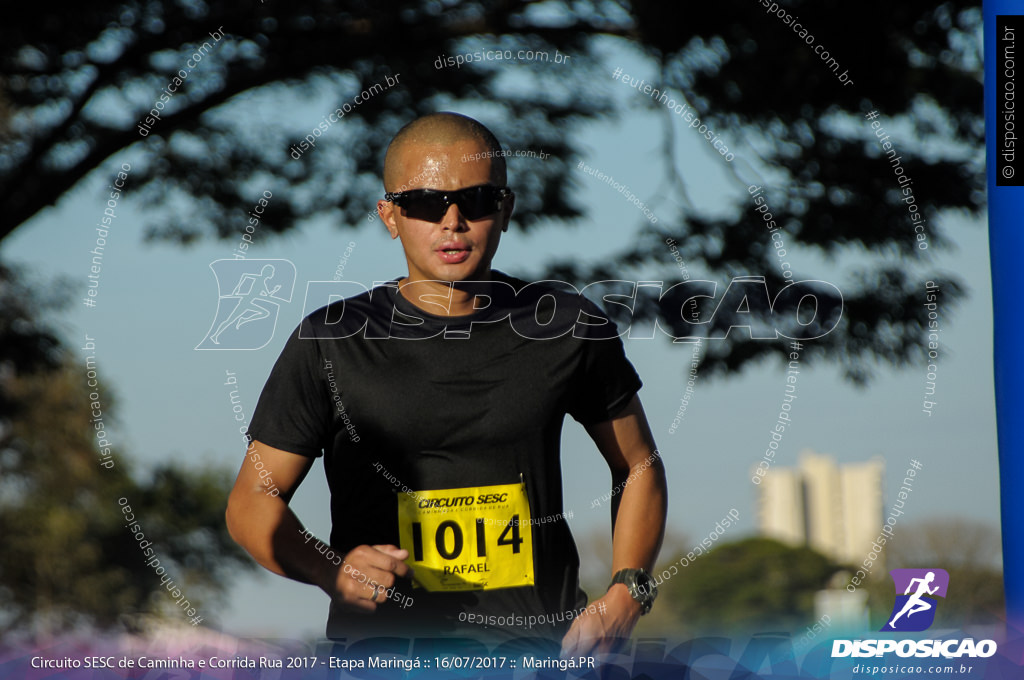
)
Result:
{"points": [[453, 219]]}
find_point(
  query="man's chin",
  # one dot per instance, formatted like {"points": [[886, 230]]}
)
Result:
{"points": [[460, 274]]}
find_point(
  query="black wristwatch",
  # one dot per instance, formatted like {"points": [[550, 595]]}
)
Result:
{"points": [[641, 587]]}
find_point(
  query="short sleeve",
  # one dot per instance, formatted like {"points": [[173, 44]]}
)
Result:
{"points": [[294, 411], [605, 380]]}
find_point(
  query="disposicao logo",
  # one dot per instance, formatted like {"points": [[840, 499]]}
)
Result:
{"points": [[251, 293], [914, 611]]}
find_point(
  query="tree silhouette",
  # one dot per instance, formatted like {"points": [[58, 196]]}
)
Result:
{"points": [[80, 79], [68, 557]]}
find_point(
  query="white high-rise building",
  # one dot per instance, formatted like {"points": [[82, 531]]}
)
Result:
{"points": [[861, 493], [781, 509], [835, 509]]}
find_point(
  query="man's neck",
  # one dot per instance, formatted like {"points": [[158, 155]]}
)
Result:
{"points": [[441, 298]]}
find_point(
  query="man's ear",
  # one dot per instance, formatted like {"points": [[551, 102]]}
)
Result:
{"points": [[386, 212]]}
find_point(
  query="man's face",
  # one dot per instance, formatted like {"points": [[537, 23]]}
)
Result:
{"points": [[454, 249]]}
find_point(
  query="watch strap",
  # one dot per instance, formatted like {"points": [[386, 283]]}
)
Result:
{"points": [[628, 577]]}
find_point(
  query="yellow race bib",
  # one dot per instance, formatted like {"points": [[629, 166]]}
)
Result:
{"points": [[474, 538]]}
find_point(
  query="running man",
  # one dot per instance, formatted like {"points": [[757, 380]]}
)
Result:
{"points": [[250, 303], [916, 603], [455, 379]]}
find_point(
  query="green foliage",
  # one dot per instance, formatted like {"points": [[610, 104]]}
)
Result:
{"points": [[752, 585], [67, 558]]}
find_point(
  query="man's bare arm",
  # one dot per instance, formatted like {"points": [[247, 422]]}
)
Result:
{"points": [[639, 510], [638, 524], [268, 529]]}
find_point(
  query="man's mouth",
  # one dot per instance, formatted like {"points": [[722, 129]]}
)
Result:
{"points": [[453, 253]]}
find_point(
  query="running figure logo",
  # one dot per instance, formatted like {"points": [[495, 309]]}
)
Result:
{"points": [[915, 611], [247, 315]]}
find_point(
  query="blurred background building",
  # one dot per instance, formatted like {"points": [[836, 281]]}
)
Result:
{"points": [[832, 508]]}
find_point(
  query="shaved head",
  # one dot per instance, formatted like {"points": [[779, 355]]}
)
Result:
{"points": [[434, 130]]}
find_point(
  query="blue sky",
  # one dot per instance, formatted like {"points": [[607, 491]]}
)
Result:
{"points": [[156, 302]]}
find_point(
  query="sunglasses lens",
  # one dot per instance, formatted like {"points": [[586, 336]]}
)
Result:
{"points": [[425, 206], [477, 202], [429, 205]]}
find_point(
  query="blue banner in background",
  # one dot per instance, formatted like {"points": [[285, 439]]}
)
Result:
{"points": [[1004, 72]]}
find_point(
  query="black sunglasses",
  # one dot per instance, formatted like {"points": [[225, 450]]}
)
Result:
{"points": [[431, 205]]}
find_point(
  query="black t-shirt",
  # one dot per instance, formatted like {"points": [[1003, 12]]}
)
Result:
{"points": [[404, 403]]}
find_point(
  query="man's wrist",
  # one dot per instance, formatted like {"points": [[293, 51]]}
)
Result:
{"points": [[325, 574], [619, 599], [639, 585]]}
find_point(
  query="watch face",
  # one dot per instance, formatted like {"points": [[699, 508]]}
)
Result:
{"points": [[644, 584], [644, 589]]}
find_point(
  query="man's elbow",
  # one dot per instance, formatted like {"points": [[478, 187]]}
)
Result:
{"points": [[657, 480], [232, 517], [651, 465], [242, 507]]}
